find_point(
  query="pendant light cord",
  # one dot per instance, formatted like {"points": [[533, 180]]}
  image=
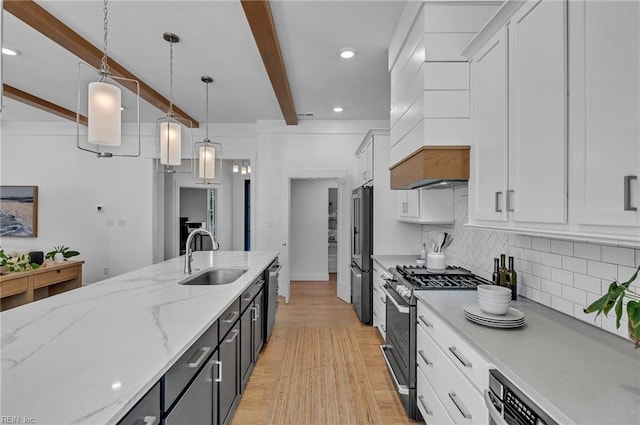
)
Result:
{"points": [[104, 70], [206, 124], [170, 111]]}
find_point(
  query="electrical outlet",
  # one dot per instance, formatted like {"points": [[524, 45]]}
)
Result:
{"points": [[122, 222], [106, 270], [109, 222]]}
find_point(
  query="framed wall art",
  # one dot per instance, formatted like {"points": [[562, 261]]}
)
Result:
{"points": [[19, 211]]}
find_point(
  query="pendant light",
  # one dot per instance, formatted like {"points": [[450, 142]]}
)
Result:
{"points": [[236, 168], [207, 154], [170, 128], [243, 169], [104, 105]]}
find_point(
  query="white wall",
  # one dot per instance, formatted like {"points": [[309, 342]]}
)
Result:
{"points": [[308, 235], [71, 184], [311, 145]]}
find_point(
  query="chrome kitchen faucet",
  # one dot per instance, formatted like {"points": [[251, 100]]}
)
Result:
{"points": [[188, 258]]}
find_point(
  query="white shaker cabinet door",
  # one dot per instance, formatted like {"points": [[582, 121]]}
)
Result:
{"points": [[538, 113], [487, 186], [605, 112]]}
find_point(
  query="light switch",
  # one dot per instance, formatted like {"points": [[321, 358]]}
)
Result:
{"points": [[109, 222], [122, 222]]}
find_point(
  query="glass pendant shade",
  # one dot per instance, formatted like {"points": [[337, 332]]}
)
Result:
{"points": [[236, 168], [104, 114], [249, 169], [243, 170], [170, 143], [207, 162]]}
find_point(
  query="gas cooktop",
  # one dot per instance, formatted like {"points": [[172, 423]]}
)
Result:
{"points": [[420, 277]]}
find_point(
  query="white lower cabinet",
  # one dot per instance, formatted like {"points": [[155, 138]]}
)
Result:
{"points": [[379, 302], [451, 374]]}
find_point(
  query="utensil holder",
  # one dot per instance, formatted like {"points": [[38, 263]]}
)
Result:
{"points": [[436, 261]]}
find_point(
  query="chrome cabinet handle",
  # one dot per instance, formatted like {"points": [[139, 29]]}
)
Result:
{"points": [[509, 195], [460, 357], [498, 195], [231, 317], [423, 320], [255, 313], [277, 269], [200, 359], [627, 193], [494, 414], [219, 377], [260, 283], [248, 297], [424, 406], [463, 410], [235, 334], [421, 352], [151, 420]]}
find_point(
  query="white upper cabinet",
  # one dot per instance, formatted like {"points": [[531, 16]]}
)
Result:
{"points": [[518, 119], [605, 113], [488, 184], [365, 163], [538, 113]]}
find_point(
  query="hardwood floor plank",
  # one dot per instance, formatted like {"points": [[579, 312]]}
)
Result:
{"points": [[321, 366]]}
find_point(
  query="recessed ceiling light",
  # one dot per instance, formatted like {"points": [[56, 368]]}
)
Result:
{"points": [[347, 53], [10, 52], [338, 109]]}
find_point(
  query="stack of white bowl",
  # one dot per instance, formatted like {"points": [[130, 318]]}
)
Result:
{"points": [[494, 299]]}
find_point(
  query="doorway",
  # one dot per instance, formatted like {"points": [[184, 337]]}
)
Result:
{"points": [[197, 210]]}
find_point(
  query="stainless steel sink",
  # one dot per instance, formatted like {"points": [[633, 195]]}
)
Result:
{"points": [[214, 277]]}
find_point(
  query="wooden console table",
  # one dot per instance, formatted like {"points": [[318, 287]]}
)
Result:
{"points": [[19, 288]]}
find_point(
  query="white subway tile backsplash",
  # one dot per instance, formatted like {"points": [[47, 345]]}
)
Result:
{"points": [[601, 270], [522, 266], [575, 295], [540, 297], [625, 273], [617, 255], [541, 271], [562, 276], [578, 313], [587, 283], [541, 244], [562, 305], [588, 251], [523, 241], [562, 247], [578, 265], [551, 260], [530, 281], [551, 287], [533, 256]]}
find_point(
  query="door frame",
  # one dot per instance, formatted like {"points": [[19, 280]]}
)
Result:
{"points": [[343, 285]]}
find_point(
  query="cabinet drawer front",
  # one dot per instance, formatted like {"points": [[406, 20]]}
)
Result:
{"points": [[432, 410], [195, 406], [147, 408], [467, 359], [250, 293], [177, 378], [13, 287], [228, 319], [461, 399], [55, 276]]}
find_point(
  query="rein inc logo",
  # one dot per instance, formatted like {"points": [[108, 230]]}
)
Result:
{"points": [[17, 420]]}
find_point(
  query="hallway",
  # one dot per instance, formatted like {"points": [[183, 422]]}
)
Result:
{"points": [[321, 366]]}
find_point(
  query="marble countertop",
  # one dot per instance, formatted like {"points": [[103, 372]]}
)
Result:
{"points": [[576, 372], [88, 355]]}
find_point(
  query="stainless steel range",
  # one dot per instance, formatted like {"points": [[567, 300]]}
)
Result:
{"points": [[400, 348]]}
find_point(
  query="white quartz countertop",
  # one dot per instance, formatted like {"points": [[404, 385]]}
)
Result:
{"points": [[576, 372], [88, 355], [387, 261]]}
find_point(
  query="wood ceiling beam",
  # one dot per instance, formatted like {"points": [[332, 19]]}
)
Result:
{"points": [[51, 27], [39, 103], [258, 14]]}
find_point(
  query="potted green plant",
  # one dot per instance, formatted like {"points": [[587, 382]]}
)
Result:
{"points": [[16, 263], [60, 253], [613, 299]]}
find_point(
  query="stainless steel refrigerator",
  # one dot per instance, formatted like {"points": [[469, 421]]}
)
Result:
{"points": [[361, 251]]}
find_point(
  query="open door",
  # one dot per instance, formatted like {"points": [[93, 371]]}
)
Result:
{"points": [[344, 240], [284, 283]]}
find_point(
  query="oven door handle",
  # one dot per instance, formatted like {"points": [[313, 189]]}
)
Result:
{"points": [[493, 412], [402, 389], [401, 308]]}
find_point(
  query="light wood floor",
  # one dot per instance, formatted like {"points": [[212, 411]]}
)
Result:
{"points": [[316, 304]]}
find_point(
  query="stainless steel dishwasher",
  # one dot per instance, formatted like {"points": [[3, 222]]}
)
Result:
{"points": [[272, 297]]}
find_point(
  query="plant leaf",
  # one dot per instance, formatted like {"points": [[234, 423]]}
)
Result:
{"points": [[633, 311], [619, 310]]}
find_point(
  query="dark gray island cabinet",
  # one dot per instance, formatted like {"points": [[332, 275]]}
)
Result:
{"points": [[205, 385]]}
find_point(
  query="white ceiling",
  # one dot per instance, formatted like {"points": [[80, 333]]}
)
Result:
{"points": [[216, 41]]}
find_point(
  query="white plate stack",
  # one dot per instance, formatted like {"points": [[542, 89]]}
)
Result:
{"points": [[493, 308]]}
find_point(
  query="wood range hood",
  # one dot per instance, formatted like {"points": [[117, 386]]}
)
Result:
{"points": [[432, 167]]}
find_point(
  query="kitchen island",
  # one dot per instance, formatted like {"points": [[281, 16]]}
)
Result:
{"points": [[574, 371], [87, 356]]}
